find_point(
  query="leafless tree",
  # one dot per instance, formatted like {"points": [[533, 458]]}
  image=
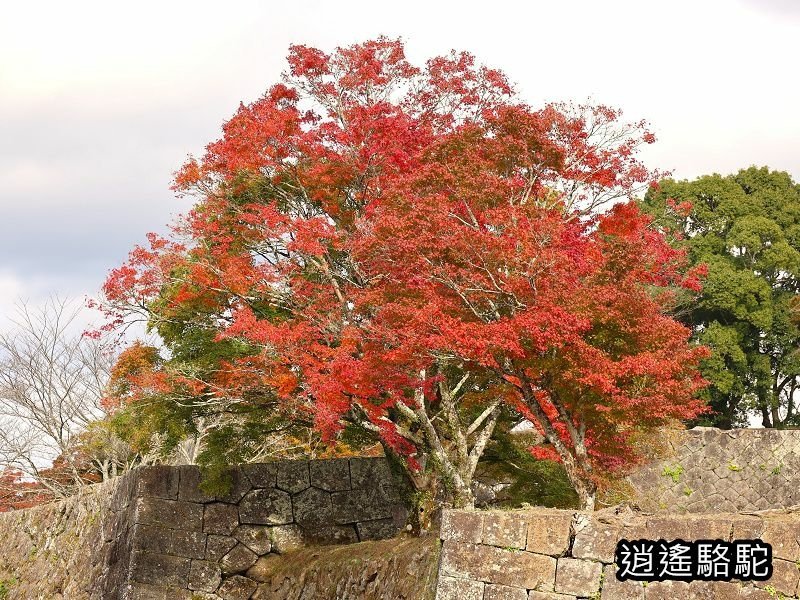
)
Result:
{"points": [[52, 379]]}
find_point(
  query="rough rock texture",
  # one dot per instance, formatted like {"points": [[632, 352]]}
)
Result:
{"points": [[569, 554], [59, 550], [399, 569], [711, 470], [154, 534]]}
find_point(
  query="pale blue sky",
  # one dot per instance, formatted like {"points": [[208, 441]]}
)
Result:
{"points": [[100, 102]]}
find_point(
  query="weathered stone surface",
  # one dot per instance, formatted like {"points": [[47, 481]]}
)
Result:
{"points": [[368, 472], [330, 534], [504, 529], [496, 565], [493, 591], [144, 591], [237, 588], [263, 475], [312, 507], [293, 476], [463, 526], [712, 471], [450, 588], [256, 537], [160, 569], [614, 589], [286, 538], [160, 540], [169, 513], [674, 590], [538, 595], [548, 533], [158, 481], [220, 519], [266, 507], [597, 541], [239, 485], [381, 529], [785, 577], [577, 577], [204, 576], [218, 546], [359, 505], [387, 570], [264, 568], [330, 475], [189, 488], [238, 560], [783, 534]]}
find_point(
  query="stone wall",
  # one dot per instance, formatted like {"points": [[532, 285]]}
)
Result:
{"points": [[711, 470], [548, 554], [154, 534], [57, 550]]}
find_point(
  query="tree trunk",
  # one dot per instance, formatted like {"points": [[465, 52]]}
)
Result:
{"points": [[586, 489]]}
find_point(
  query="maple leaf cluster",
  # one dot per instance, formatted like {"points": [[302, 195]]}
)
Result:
{"points": [[369, 226]]}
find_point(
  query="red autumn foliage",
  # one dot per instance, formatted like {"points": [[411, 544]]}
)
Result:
{"points": [[369, 222]]}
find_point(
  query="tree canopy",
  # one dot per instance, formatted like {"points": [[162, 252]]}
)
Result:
{"points": [[746, 229], [412, 250]]}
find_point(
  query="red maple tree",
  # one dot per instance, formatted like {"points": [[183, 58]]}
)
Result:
{"points": [[415, 249]]}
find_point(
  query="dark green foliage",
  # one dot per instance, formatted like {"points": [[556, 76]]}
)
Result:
{"points": [[535, 482], [746, 229]]}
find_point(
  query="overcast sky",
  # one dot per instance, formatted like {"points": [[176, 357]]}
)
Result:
{"points": [[101, 101]]}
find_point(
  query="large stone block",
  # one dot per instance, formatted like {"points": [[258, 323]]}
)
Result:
{"points": [[144, 591], [381, 529], [783, 534], [261, 475], [158, 481], [597, 541], [785, 577], [312, 507], [507, 530], [463, 526], [293, 476], [493, 591], [450, 588], [160, 569], [614, 589], [549, 532], [189, 488], [204, 576], [218, 546], [674, 590], [171, 514], [266, 507], [577, 577], [175, 542], [237, 486], [237, 588], [539, 595], [220, 519], [286, 538], [496, 565], [330, 534], [256, 537], [238, 560], [360, 505], [331, 475], [369, 472]]}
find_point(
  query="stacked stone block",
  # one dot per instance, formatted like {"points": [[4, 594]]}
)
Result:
{"points": [[713, 470], [170, 540], [548, 554]]}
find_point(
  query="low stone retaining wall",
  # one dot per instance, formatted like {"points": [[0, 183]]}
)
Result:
{"points": [[546, 554], [155, 535], [713, 470]]}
